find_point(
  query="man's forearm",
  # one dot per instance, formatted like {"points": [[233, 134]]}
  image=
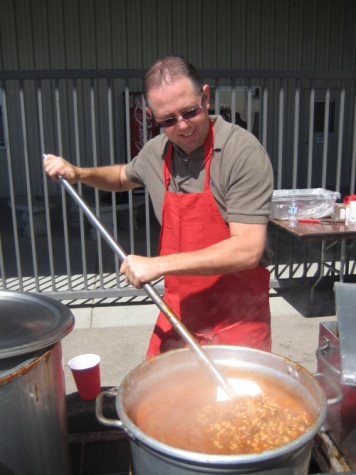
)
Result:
{"points": [[223, 257], [106, 178], [241, 251]]}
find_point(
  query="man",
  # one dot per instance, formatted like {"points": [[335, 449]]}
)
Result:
{"points": [[211, 184]]}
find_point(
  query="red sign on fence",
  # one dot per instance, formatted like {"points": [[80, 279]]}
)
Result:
{"points": [[137, 124]]}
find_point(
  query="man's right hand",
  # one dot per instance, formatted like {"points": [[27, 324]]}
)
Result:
{"points": [[55, 166]]}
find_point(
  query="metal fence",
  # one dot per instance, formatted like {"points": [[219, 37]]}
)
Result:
{"points": [[305, 120]]}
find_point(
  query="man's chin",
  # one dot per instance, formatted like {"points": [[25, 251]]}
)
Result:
{"points": [[189, 144]]}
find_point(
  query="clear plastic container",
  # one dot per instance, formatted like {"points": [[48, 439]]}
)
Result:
{"points": [[311, 203]]}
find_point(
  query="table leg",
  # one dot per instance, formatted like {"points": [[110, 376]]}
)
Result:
{"points": [[342, 260], [321, 270], [348, 248]]}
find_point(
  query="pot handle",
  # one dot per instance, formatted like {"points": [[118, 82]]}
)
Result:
{"points": [[320, 354], [99, 411], [339, 394]]}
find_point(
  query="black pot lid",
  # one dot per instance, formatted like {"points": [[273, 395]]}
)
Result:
{"points": [[30, 322]]}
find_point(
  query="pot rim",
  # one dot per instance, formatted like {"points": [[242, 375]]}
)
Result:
{"points": [[136, 434]]}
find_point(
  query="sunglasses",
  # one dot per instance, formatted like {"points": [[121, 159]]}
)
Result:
{"points": [[190, 114]]}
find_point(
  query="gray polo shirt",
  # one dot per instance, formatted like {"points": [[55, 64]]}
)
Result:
{"points": [[241, 177]]}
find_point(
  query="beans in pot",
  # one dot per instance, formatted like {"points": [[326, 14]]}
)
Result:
{"points": [[250, 425], [184, 412]]}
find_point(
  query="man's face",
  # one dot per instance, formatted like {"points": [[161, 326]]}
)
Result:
{"points": [[176, 99]]}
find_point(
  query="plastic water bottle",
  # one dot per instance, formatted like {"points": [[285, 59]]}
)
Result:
{"points": [[293, 214], [352, 213]]}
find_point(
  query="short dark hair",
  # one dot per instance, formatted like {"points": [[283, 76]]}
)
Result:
{"points": [[168, 70]]}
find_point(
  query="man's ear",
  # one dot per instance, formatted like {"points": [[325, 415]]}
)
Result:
{"points": [[149, 112], [206, 94]]}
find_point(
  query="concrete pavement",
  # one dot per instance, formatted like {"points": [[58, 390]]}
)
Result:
{"points": [[120, 334]]}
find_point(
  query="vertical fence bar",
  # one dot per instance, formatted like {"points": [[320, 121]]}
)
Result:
{"points": [[296, 133], [112, 161], [80, 187], [12, 190], [127, 122], [249, 106], [311, 136], [265, 114], [233, 101], [63, 193], [2, 266], [280, 133], [147, 202], [217, 97], [148, 224], [130, 194], [340, 138], [96, 191], [128, 153], [326, 137], [28, 186], [45, 185]]}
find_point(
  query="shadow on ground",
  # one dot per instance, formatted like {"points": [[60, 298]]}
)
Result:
{"points": [[320, 303]]}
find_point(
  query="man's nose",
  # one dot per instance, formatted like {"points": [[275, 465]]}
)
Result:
{"points": [[181, 120]]}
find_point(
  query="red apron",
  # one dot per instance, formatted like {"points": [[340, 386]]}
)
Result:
{"points": [[225, 309]]}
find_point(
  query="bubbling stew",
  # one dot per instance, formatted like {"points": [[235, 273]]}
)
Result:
{"points": [[187, 413]]}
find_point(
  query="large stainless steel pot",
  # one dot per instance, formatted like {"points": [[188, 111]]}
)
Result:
{"points": [[340, 423], [151, 457], [336, 357], [33, 422]]}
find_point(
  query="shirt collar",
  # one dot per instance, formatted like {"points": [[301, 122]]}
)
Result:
{"points": [[222, 131]]}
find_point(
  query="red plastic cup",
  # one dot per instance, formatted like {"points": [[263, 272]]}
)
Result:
{"points": [[86, 374]]}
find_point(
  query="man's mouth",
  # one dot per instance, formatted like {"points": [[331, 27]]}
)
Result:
{"points": [[188, 135]]}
